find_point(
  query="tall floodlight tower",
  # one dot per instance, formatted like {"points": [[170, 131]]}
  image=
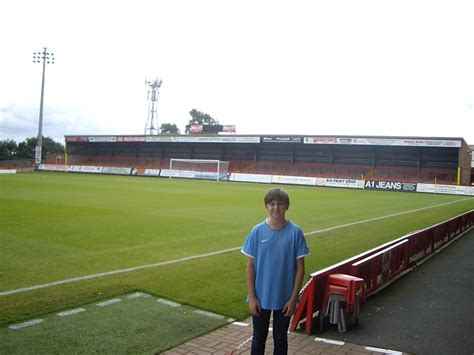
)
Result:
{"points": [[151, 126], [41, 58]]}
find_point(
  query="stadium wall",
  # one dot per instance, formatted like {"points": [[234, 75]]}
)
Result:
{"points": [[406, 159]]}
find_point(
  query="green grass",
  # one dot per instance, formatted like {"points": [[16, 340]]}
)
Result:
{"points": [[139, 325], [55, 226]]}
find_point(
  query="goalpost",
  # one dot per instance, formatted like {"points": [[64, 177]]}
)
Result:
{"points": [[201, 168]]}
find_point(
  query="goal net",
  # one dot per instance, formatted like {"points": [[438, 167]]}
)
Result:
{"points": [[199, 168]]}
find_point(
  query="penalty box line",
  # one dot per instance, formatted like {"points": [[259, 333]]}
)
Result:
{"points": [[199, 256]]}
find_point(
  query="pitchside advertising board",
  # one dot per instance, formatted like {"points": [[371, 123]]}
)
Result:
{"points": [[268, 179], [281, 139], [389, 186], [347, 183], [385, 141], [38, 154]]}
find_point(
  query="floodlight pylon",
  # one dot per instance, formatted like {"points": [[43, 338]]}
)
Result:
{"points": [[151, 127], [44, 58]]}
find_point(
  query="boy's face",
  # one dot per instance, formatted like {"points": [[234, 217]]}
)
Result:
{"points": [[276, 209]]}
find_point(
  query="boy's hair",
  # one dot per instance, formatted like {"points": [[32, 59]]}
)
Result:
{"points": [[277, 194]]}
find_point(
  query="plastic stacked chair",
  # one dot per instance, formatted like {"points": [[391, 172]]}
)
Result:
{"points": [[342, 301]]}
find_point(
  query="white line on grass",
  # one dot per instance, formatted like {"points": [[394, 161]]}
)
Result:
{"points": [[209, 314], [26, 324], [138, 294], [71, 312], [200, 256], [381, 217], [168, 302], [109, 302], [115, 272]]}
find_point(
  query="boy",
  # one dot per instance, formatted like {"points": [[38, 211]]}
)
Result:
{"points": [[275, 249]]}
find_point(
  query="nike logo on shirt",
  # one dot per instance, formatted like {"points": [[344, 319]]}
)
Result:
{"points": [[265, 240]]}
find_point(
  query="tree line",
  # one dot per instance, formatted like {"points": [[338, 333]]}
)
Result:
{"points": [[10, 150]]}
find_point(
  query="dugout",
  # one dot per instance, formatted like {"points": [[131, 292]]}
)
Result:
{"points": [[404, 159]]}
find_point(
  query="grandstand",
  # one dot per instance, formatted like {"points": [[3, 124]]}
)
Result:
{"points": [[404, 159]]}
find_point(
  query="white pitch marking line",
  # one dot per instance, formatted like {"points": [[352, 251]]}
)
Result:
{"points": [[383, 351], [209, 314], [330, 341], [70, 312], [168, 302], [109, 302], [138, 294], [199, 256], [25, 324], [115, 272], [381, 217]]}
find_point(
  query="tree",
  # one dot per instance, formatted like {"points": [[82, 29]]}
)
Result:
{"points": [[168, 128], [198, 117], [26, 149], [8, 150]]}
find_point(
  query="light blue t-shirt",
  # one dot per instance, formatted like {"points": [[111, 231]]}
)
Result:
{"points": [[275, 253]]}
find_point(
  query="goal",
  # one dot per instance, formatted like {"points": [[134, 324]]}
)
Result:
{"points": [[200, 168]]}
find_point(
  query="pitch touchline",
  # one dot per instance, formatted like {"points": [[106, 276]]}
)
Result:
{"points": [[115, 272], [381, 217], [199, 256]]}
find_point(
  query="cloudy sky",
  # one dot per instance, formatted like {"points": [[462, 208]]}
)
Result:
{"points": [[268, 67]]}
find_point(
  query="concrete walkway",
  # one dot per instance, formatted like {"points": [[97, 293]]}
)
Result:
{"points": [[428, 311], [235, 338]]}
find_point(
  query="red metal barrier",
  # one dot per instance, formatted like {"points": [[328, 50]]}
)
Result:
{"points": [[381, 267], [382, 263]]}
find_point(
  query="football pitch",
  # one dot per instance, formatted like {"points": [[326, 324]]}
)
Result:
{"points": [[72, 239]]}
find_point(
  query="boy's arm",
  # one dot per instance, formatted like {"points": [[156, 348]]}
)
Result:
{"points": [[290, 306], [254, 304]]}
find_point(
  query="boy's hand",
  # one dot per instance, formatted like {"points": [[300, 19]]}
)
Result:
{"points": [[290, 308], [254, 306]]}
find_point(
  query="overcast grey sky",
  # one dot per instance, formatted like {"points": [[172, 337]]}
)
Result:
{"points": [[268, 67]]}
